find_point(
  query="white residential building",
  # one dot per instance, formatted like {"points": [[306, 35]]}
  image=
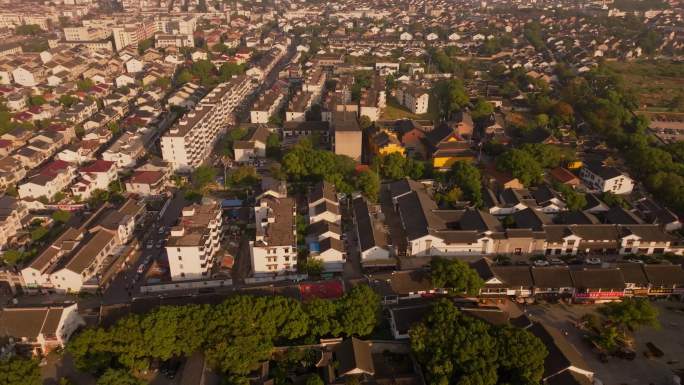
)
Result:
{"points": [[52, 179], [194, 242], [606, 179], [190, 141], [12, 214], [274, 250], [96, 176], [414, 98]]}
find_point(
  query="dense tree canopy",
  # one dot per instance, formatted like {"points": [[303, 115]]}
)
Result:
{"points": [[631, 313], [455, 275], [521, 165], [235, 335], [467, 178], [19, 371], [454, 348], [395, 166]]}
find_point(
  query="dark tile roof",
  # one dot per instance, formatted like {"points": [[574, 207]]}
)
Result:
{"points": [[354, 354], [551, 276], [633, 273], [514, 275], [562, 354], [665, 275], [598, 278]]}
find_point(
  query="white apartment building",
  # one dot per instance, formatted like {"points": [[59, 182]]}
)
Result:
{"points": [[178, 41], [126, 151], [606, 179], [132, 34], [266, 106], [96, 176], [190, 141], [195, 241], [414, 98], [274, 249], [85, 34]]}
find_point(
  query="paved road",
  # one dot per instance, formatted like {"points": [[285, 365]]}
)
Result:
{"points": [[128, 281]]}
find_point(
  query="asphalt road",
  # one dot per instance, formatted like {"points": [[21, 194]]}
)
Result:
{"points": [[127, 283]]}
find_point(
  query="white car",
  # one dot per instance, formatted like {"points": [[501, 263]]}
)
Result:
{"points": [[141, 269], [541, 262], [634, 260], [593, 261], [556, 261], [150, 244]]}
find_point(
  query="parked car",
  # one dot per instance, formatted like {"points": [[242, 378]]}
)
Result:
{"points": [[159, 244], [556, 261], [593, 261], [634, 260], [541, 262], [141, 269], [150, 244]]}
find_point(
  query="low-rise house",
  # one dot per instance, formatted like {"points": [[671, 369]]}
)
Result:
{"points": [[40, 330], [149, 179], [13, 214], [50, 180], [266, 106], [83, 258], [606, 179], [371, 235], [598, 284], [253, 146], [96, 176], [126, 151], [563, 364]]}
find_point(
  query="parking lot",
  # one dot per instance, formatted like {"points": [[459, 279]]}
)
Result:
{"points": [[640, 371]]}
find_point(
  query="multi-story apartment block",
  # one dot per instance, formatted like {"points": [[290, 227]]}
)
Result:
{"points": [[133, 33], [301, 103], [416, 99], [314, 82], [195, 240], [163, 40], [347, 138], [274, 249], [266, 106], [81, 34], [190, 141], [325, 219]]}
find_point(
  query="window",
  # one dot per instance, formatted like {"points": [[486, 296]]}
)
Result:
{"points": [[182, 274], [180, 258], [518, 251]]}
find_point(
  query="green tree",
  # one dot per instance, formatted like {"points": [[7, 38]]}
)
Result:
{"points": [[39, 233], [482, 110], [358, 311], [455, 275], [28, 29], [273, 146], [314, 379], [203, 176], [392, 166], [323, 320], [244, 176], [521, 356], [19, 371], [314, 266], [574, 200], [144, 45], [67, 100], [228, 70], [85, 85], [460, 349], [118, 377], [631, 314], [37, 100], [521, 165], [13, 257], [546, 155], [184, 76], [61, 216], [452, 96], [468, 179], [368, 182], [454, 195]]}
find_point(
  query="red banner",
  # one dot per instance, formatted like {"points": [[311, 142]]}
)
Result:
{"points": [[600, 294]]}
